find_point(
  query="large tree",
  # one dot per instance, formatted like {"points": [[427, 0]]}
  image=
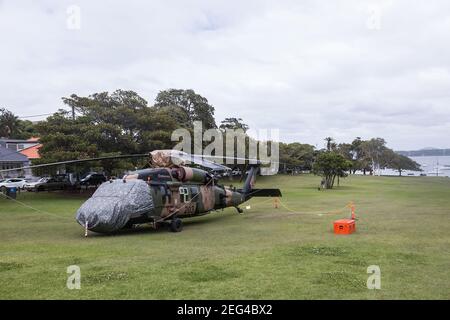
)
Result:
{"points": [[330, 144], [14, 128], [26, 130], [64, 139], [296, 156], [105, 124], [234, 124], [121, 108], [195, 106], [360, 161], [125, 122], [330, 165], [373, 151], [9, 123], [398, 162]]}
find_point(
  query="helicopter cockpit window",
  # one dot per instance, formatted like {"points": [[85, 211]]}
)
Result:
{"points": [[184, 194], [165, 192], [194, 191]]}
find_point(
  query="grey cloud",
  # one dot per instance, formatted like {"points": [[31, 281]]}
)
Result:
{"points": [[311, 68]]}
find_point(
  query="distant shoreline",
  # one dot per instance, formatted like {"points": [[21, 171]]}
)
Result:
{"points": [[426, 153]]}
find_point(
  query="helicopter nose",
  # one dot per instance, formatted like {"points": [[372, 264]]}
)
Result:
{"points": [[114, 204], [101, 216]]}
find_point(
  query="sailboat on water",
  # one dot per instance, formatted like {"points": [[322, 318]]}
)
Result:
{"points": [[438, 169]]}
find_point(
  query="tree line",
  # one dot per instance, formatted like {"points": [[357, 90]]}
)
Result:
{"points": [[339, 160], [108, 124], [122, 122]]}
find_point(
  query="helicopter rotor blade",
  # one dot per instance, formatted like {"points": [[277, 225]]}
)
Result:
{"points": [[194, 158], [251, 160], [76, 161], [198, 160]]}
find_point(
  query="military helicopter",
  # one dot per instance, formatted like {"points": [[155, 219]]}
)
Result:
{"points": [[169, 189]]}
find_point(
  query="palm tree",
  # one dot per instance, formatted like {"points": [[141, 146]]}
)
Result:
{"points": [[8, 123], [330, 143]]}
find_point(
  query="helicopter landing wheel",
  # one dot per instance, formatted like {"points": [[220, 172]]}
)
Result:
{"points": [[176, 225], [239, 210], [128, 226]]}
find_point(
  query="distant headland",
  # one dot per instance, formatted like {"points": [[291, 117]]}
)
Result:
{"points": [[426, 152]]}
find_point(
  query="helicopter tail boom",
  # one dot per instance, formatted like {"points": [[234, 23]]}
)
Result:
{"points": [[248, 188]]}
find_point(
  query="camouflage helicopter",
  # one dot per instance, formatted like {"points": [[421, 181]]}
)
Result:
{"points": [[167, 191]]}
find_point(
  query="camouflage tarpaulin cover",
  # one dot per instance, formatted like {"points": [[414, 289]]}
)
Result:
{"points": [[114, 203], [165, 158], [176, 158]]}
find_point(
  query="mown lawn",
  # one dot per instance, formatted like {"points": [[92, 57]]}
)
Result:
{"points": [[266, 253]]}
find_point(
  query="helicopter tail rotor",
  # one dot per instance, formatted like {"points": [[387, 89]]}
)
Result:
{"points": [[250, 180]]}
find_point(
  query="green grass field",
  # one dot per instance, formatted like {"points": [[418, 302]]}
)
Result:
{"points": [[266, 253]]}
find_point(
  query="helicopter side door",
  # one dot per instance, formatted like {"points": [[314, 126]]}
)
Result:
{"points": [[188, 198]]}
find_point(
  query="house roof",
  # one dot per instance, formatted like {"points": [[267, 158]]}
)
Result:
{"points": [[8, 155], [32, 152], [14, 140]]}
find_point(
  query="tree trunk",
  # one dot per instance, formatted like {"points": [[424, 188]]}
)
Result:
{"points": [[328, 182]]}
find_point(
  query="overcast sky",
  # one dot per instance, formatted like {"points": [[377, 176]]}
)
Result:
{"points": [[309, 68]]}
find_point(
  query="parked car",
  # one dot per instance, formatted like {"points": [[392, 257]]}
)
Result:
{"points": [[220, 173], [93, 179], [13, 182], [236, 172], [47, 184]]}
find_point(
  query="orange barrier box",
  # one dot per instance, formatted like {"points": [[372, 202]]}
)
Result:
{"points": [[344, 226]]}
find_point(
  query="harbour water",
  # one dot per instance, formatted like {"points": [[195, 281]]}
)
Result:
{"points": [[431, 166]]}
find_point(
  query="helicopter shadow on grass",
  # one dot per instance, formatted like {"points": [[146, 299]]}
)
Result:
{"points": [[147, 229]]}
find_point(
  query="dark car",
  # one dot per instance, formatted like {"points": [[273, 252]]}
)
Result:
{"points": [[47, 184], [93, 179]]}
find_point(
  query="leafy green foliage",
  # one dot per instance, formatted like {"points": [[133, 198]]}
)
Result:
{"points": [[105, 124], [398, 162], [122, 122], [234, 124], [330, 165], [13, 128], [8, 123], [194, 106], [296, 156]]}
